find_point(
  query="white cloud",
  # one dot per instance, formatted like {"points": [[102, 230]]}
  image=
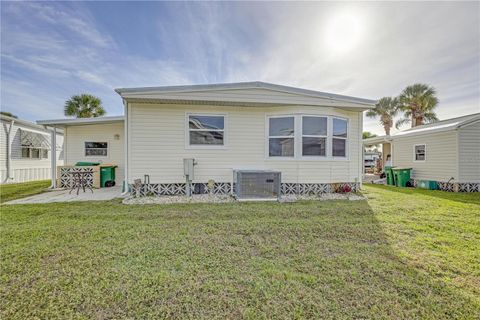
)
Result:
{"points": [[399, 44]]}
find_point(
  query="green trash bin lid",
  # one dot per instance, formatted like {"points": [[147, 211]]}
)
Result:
{"points": [[86, 164]]}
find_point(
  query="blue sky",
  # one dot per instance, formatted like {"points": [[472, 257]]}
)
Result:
{"points": [[52, 50]]}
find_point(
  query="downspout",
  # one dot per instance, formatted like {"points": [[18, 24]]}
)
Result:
{"points": [[361, 170], [9, 152]]}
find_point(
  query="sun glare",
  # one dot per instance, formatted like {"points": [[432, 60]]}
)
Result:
{"points": [[343, 32]]}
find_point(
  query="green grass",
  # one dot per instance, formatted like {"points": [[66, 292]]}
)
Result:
{"points": [[14, 191], [403, 254]]}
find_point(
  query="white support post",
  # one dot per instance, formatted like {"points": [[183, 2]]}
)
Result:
{"points": [[54, 157], [9, 152], [125, 139]]}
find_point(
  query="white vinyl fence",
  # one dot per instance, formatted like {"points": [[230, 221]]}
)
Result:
{"points": [[26, 174]]}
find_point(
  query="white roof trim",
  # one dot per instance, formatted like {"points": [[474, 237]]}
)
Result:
{"points": [[440, 126], [80, 121], [22, 122], [138, 92], [444, 127]]}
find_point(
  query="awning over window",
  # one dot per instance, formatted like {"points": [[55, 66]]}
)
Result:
{"points": [[33, 139]]}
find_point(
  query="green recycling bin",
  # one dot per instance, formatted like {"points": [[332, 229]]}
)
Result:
{"points": [[401, 176], [86, 164], [389, 174], [107, 176]]}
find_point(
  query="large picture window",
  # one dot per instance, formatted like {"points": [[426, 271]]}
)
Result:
{"points": [[281, 137], [206, 130], [339, 138], [307, 137], [314, 136], [98, 149]]}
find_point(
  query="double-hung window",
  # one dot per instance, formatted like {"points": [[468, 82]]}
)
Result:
{"points": [[281, 137], [420, 152], [96, 149], [206, 130], [339, 137], [314, 136]]}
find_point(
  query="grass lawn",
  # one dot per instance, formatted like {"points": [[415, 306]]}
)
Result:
{"points": [[14, 191], [403, 254]]}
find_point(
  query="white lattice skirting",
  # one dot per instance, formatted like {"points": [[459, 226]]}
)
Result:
{"points": [[66, 180], [456, 186], [459, 186], [170, 189]]}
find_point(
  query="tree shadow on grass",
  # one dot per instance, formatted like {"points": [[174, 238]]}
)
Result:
{"points": [[470, 198]]}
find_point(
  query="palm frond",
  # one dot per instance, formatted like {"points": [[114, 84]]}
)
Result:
{"points": [[84, 106], [401, 122]]}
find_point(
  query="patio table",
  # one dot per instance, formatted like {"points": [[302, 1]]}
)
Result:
{"points": [[80, 181]]}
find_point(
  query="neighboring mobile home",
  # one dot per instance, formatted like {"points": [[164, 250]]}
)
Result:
{"points": [[314, 139], [447, 152], [26, 151]]}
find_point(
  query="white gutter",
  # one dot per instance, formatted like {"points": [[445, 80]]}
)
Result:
{"points": [[80, 121], [9, 151]]}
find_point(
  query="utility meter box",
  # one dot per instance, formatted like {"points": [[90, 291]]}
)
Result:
{"points": [[188, 165]]}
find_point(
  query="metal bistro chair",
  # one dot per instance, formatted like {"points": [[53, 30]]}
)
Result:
{"points": [[79, 179]]}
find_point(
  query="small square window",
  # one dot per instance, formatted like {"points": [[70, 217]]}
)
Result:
{"points": [[96, 149], [206, 130], [420, 152]]}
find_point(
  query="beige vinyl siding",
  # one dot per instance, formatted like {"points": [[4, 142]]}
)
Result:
{"points": [[441, 155], [22, 169], [76, 136], [469, 153], [157, 145]]}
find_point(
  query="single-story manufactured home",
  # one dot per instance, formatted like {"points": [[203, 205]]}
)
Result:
{"points": [[447, 152], [312, 139], [26, 151]]}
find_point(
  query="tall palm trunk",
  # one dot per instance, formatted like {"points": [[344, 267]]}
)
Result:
{"points": [[387, 129]]}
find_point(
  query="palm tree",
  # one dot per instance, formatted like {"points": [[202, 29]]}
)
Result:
{"points": [[84, 106], [386, 108], [368, 134], [418, 102]]}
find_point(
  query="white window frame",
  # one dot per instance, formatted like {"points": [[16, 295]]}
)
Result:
{"points": [[96, 156], [327, 143], [298, 132], [30, 152], [415, 154], [334, 137], [294, 136], [206, 146]]}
